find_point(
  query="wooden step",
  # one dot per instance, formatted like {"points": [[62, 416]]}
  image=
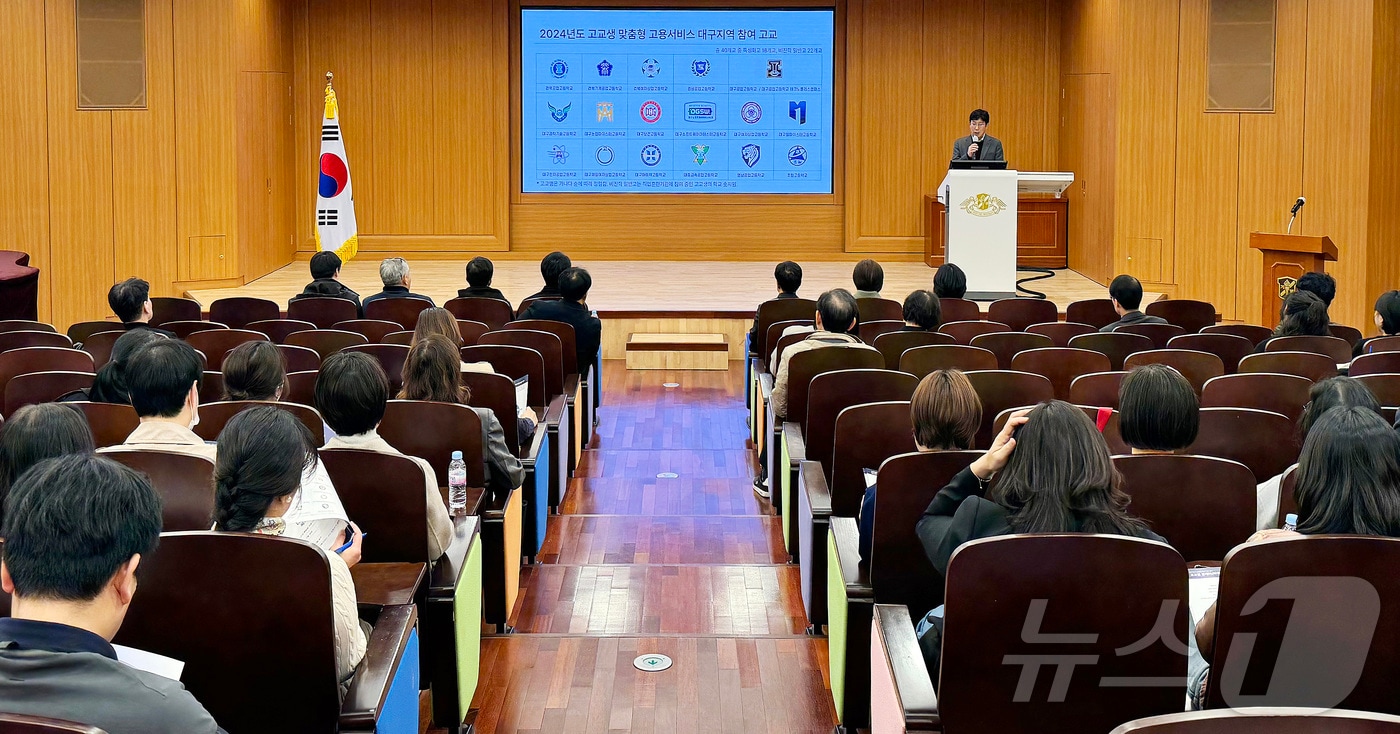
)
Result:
{"points": [[668, 351]]}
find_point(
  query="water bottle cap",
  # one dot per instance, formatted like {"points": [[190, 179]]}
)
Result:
{"points": [[1290, 519], [456, 455]]}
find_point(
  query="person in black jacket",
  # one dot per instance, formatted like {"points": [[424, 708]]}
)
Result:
{"points": [[394, 273], [572, 309], [479, 273], [788, 275], [325, 280], [1387, 319], [1126, 293], [551, 267], [130, 300], [1053, 475]]}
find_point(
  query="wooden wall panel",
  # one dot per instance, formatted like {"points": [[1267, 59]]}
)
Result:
{"points": [[403, 117], [1087, 145], [335, 37], [1089, 36], [24, 135], [1020, 81], [265, 35], [1383, 228]]}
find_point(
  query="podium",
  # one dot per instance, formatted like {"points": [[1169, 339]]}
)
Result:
{"points": [[1286, 258], [980, 227]]}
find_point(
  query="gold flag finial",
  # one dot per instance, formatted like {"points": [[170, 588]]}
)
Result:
{"points": [[329, 77]]}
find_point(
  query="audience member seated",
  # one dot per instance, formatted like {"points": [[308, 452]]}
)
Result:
{"points": [[163, 381], [869, 278], [946, 413], [1126, 293], [1321, 285], [35, 433], [76, 529], [351, 391], [255, 371], [325, 280], [263, 453], [788, 274], [480, 271], [441, 322], [1158, 411], [1304, 314], [1335, 392], [572, 308], [1387, 319], [949, 281], [1055, 477], [922, 312], [109, 386], [432, 372], [551, 266], [394, 273], [835, 320], [130, 300]]}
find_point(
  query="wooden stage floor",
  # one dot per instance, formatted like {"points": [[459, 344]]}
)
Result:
{"points": [[624, 288]]}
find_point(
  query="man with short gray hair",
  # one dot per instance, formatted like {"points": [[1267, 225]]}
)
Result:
{"points": [[394, 273]]}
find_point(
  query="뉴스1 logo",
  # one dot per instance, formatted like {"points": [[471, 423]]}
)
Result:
{"points": [[750, 154], [559, 69], [650, 68], [558, 154], [797, 155], [700, 112], [651, 111], [604, 68], [604, 155], [651, 155], [982, 205], [750, 112], [559, 113], [700, 67], [775, 68], [798, 111], [605, 112]]}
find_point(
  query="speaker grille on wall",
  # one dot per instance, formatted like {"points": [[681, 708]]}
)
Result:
{"points": [[111, 53], [1241, 56]]}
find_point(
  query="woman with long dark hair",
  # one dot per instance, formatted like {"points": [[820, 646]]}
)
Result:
{"points": [[1304, 314]]}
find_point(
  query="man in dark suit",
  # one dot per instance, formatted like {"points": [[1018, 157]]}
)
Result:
{"points": [[479, 273], [130, 300], [572, 308], [325, 280], [393, 272], [553, 264], [979, 146], [1126, 293], [788, 274]]}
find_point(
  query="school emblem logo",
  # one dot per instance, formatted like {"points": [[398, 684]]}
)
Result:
{"points": [[605, 112], [750, 112], [604, 68], [750, 154], [797, 155], [604, 155], [700, 152], [651, 155], [700, 67], [983, 205], [1287, 286], [798, 111], [558, 155], [559, 113], [775, 68], [651, 111], [650, 68], [700, 112], [559, 69]]}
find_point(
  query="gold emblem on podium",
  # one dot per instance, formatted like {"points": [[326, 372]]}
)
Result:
{"points": [[983, 205], [1286, 286]]}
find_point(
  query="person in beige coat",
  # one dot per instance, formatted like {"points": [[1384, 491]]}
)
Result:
{"points": [[163, 380]]}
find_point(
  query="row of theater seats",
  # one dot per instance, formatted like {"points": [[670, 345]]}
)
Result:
{"points": [[401, 591], [849, 410]]}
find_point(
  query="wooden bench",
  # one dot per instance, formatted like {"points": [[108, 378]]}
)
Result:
{"points": [[677, 352]]}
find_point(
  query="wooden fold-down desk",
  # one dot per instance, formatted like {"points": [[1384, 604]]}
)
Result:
{"points": [[1042, 231]]}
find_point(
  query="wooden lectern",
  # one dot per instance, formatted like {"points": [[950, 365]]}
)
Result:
{"points": [[1286, 258]]}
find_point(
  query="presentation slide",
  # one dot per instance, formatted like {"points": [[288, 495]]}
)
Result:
{"points": [[676, 101]]}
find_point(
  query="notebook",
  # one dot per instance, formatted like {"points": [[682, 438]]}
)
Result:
{"points": [[522, 392]]}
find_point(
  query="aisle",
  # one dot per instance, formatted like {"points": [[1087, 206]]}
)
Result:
{"points": [[691, 567]]}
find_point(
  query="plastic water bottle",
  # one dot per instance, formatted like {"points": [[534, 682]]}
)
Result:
{"points": [[1290, 521], [457, 484]]}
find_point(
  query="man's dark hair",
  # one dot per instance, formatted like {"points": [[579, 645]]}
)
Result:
{"points": [[949, 281], [1127, 291], [552, 265], [868, 275], [1321, 285], [351, 390], [980, 114], [1158, 409], [838, 310], [922, 308], [72, 521], [128, 297], [254, 371], [574, 284], [789, 276], [159, 376], [479, 272], [109, 386], [38, 432], [324, 264]]}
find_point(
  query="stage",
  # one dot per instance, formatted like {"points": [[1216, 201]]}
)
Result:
{"points": [[647, 296]]}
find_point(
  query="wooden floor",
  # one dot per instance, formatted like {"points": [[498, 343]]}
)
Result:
{"points": [[690, 567], [641, 286]]}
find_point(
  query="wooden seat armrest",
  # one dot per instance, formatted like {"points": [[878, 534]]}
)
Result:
{"points": [[796, 444], [442, 580], [530, 453], [812, 479], [845, 534], [554, 412], [765, 384], [571, 382], [370, 686], [906, 661], [493, 505]]}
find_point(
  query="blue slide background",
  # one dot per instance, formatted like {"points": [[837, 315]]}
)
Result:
{"points": [[712, 77]]}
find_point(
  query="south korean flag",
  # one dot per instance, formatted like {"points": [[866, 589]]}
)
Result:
{"points": [[335, 202]]}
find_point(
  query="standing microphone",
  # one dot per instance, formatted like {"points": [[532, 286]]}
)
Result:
{"points": [[1293, 213]]}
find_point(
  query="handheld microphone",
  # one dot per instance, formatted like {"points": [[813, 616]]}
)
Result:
{"points": [[1298, 205]]}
